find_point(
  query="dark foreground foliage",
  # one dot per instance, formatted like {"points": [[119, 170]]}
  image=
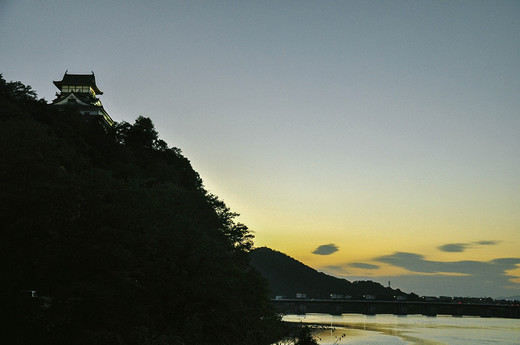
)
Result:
{"points": [[117, 236]]}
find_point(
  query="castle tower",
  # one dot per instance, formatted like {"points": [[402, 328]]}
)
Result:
{"points": [[79, 91]]}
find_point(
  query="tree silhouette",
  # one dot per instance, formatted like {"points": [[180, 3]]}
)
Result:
{"points": [[141, 134], [17, 90]]}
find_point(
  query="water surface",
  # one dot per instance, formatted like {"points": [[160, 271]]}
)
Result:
{"points": [[412, 329]]}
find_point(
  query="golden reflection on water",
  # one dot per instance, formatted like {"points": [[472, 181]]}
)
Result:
{"points": [[352, 331], [413, 329]]}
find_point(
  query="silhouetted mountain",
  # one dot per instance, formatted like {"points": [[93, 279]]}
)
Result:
{"points": [[288, 276]]}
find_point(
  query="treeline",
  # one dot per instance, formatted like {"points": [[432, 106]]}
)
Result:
{"points": [[117, 236]]}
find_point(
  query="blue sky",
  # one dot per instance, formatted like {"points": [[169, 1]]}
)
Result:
{"points": [[368, 128]]}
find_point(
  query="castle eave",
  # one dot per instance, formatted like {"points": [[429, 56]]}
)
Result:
{"points": [[78, 80]]}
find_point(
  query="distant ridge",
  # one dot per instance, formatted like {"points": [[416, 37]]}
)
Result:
{"points": [[287, 277]]}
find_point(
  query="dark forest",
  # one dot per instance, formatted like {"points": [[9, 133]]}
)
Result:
{"points": [[109, 237]]}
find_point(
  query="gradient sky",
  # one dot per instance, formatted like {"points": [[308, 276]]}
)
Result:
{"points": [[368, 139]]}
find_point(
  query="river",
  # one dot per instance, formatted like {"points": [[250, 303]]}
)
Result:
{"points": [[384, 329]]}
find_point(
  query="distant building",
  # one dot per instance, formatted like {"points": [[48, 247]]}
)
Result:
{"points": [[78, 92], [429, 298], [338, 296]]}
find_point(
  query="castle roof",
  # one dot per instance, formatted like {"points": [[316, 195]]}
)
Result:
{"points": [[78, 80]]}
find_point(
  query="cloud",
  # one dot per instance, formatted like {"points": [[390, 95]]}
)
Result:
{"points": [[460, 247], [474, 277], [343, 270], [487, 243], [438, 278], [416, 263], [326, 249], [335, 270], [506, 262], [443, 285], [335, 267], [364, 266], [410, 261], [454, 247]]}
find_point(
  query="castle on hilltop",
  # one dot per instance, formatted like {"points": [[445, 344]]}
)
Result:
{"points": [[78, 92]]}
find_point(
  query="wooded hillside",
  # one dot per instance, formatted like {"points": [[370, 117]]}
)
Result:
{"points": [[115, 232]]}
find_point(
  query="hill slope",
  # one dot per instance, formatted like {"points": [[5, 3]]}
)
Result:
{"points": [[288, 276], [117, 232]]}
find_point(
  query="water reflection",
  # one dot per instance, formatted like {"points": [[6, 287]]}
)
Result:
{"points": [[411, 329]]}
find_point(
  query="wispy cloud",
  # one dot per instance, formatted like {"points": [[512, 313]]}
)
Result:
{"points": [[418, 274], [487, 243], [364, 266], [346, 269], [417, 263], [474, 277], [338, 268], [446, 285], [326, 249], [460, 247]]}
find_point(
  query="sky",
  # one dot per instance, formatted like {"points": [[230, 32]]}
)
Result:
{"points": [[373, 140]]}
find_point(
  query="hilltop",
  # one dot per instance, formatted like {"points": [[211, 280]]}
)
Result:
{"points": [[107, 236], [288, 276]]}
